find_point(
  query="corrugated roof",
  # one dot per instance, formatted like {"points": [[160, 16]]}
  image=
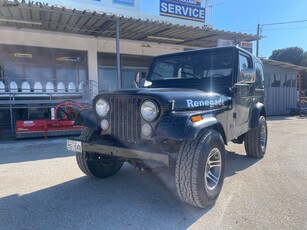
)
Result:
{"points": [[53, 18], [284, 65]]}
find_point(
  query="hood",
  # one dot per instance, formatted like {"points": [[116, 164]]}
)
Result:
{"points": [[184, 99]]}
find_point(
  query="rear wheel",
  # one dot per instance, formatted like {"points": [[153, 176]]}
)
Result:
{"points": [[255, 140], [93, 164], [200, 169]]}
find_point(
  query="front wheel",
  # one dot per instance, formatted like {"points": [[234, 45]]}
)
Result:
{"points": [[200, 169], [255, 140], [96, 165]]}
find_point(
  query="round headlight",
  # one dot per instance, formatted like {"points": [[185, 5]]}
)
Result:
{"points": [[102, 107], [149, 111]]}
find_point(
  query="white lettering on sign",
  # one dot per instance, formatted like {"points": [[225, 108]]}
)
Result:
{"points": [[211, 103], [180, 10]]}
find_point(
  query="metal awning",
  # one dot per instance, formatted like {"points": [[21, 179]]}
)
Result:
{"points": [[283, 65], [53, 18]]}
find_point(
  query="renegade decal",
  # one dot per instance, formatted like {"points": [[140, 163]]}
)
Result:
{"points": [[193, 104]]}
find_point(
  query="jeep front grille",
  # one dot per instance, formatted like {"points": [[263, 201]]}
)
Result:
{"points": [[125, 118]]}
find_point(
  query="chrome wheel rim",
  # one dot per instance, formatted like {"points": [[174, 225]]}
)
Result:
{"points": [[263, 138], [213, 169]]}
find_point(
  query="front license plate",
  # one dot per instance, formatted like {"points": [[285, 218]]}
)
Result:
{"points": [[75, 146]]}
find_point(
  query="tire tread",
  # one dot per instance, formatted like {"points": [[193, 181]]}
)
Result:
{"points": [[187, 166], [81, 157], [251, 141]]}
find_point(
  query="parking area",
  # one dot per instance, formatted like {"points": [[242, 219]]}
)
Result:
{"points": [[41, 187]]}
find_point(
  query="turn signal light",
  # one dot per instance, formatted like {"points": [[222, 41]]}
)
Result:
{"points": [[196, 118]]}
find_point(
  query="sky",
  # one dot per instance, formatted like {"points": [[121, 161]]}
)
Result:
{"points": [[229, 15], [244, 16]]}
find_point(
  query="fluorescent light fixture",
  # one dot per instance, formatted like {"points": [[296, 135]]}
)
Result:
{"points": [[20, 21], [166, 39], [69, 59], [22, 55]]}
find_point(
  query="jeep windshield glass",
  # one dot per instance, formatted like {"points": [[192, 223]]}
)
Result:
{"points": [[198, 64]]}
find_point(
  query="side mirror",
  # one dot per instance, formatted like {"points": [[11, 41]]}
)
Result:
{"points": [[248, 75], [137, 78]]}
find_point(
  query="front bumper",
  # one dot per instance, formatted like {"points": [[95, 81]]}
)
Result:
{"points": [[120, 152]]}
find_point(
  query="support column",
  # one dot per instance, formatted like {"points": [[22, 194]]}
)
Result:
{"points": [[93, 66], [119, 78], [299, 84]]}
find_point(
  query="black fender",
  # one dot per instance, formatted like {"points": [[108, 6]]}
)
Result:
{"points": [[180, 127], [257, 111], [87, 118]]}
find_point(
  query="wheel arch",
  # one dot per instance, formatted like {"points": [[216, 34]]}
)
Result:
{"points": [[219, 128], [257, 111], [211, 123]]}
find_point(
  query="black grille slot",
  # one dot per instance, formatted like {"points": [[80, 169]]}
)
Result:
{"points": [[125, 118]]}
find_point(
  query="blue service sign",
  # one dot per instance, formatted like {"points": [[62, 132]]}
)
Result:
{"points": [[184, 9]]}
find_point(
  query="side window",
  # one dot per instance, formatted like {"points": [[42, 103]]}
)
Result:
{"points": [[243, 64], [259, 76]]}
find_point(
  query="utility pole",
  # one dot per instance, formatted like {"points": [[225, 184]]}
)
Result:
{"points": [[260, 26], [257, 45]]}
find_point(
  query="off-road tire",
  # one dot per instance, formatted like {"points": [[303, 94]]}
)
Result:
{"points": [[253, 140], [191, 165], [97, 169]]}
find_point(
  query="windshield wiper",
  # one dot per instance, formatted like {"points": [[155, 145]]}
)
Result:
{"points": [[191, 74], [160, 75]]}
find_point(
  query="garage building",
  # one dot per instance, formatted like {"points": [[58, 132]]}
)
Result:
{"points": [[52, 53]]}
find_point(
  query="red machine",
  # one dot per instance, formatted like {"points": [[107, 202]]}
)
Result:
{"points": [[59, 121]]}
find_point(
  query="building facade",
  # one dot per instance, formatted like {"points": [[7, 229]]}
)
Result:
{"points": [[52, 51], [281, 86]]}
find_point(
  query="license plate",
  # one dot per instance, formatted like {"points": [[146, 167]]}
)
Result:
{"points": [[75, 146]]}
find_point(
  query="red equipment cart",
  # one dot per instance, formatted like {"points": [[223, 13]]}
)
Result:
{"points": [[59, 123]]}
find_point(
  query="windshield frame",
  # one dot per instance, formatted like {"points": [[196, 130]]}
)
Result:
{"points": [[187, 54]]}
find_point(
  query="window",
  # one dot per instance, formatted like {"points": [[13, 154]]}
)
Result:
{"points": [[34, 73], [107, 79], [42, 65], [259, 76], [289, 81], [243, 64], [275, 80], [197, 65]]}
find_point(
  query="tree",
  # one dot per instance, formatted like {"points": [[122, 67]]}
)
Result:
{"points": [[294, 55], [304, 61]]}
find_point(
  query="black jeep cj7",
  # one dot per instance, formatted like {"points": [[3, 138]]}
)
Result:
{"points": [[191, 105]]}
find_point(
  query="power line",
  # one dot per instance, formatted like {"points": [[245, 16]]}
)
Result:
{"points": [[260, 27], [289, 28], [280, 23], [281, 28]]}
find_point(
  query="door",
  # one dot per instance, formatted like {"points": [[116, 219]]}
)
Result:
{"points": [[242, 95]]}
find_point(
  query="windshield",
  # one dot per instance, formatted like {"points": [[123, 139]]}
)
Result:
{"points": [[202, 64]]}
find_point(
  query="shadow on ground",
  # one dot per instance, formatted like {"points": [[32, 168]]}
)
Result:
{"points": [[128, 200], [33, 150], [237, 162]]}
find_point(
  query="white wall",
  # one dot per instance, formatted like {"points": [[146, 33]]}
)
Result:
{"points": [[92, 45]]}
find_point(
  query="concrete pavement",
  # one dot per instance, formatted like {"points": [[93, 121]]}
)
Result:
{"points": [[41, 187]]}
